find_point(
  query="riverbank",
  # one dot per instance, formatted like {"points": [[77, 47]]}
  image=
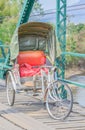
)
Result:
{"points": [[75, 71]]}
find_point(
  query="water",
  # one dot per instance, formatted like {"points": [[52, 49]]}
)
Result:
{"points": [[79, 93]]}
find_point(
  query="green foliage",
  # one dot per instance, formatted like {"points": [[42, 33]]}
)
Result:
{"points": [[37, 7], [8, 19], [75, 28], [71, 47], [79, 27], [9, 14], [6, 30], [75, 41]]}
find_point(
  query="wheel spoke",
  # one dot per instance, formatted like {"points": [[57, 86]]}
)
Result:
{"points": [[59, 100]]}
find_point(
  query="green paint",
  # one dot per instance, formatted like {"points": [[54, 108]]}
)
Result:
{"points": [[25, 13], [74, 54], [61, 34], [72, 82]]}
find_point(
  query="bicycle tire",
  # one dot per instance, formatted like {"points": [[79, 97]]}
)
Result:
{"points": [[10, 88], [56, 102]]}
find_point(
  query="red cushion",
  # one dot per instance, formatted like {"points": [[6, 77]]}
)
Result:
{"points": [[33, 58], [27, 70]]}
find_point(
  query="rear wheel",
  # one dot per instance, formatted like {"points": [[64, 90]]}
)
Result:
{"points": [[10, 88], [59, 100]]}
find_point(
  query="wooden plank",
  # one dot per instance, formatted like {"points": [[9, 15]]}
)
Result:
{"points": [[48, 121], [81, 128], [79, 110], [22, 119], [26, 122], [31, 107], [68, 125], [5, 124]]}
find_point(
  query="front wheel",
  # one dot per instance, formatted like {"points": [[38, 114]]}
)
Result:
{"points": [[10, 88], [59, 100]]}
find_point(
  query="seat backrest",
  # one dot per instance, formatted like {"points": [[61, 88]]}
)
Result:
{"points": [[33, 58]]}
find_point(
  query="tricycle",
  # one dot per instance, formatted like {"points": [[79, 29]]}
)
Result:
{"points": [[34, 69]]}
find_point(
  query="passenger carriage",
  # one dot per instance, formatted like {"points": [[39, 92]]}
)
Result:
{"points": [[34, 69]]}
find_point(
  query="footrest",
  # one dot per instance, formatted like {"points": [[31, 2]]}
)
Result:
{"points": [[29, 84]]}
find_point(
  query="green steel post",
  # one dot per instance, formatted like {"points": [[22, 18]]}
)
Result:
{"points": [[2, 49], [61, 34], [25, 13], [4, 60]]}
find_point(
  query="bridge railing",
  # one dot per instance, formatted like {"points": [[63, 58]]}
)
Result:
{"points": [[69, 81]]}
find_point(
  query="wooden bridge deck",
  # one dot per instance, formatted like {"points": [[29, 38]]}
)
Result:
{"points": [[29, 113]]}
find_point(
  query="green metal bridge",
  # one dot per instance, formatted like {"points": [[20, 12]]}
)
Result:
{"points": [[61, 39]]}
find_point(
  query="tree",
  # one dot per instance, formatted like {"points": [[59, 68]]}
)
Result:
{"points": [[9, 14], [79, 27], [37, 8]]}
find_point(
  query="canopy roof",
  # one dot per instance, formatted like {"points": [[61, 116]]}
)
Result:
{"points": [[34, 29], [38, 29]]}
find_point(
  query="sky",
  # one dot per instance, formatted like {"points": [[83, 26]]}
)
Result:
{"points": [[49, 4], [74, 16]]}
